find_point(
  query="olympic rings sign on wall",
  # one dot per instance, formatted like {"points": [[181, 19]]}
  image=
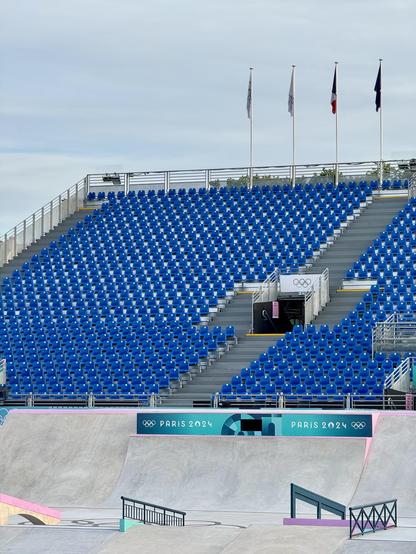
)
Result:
{"points": [[149, 423], [358, 424]]}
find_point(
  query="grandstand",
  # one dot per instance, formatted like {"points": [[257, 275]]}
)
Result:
{"points": [[129, 301], [124, 298]]}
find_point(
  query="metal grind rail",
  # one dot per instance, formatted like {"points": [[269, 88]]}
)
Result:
{"points": [[373, 517], [320, 502], [151, 513]]}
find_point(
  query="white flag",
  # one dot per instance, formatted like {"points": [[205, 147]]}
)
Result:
{"points": [[291, 99], [249, 99]]}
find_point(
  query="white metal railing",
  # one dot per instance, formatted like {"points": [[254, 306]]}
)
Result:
{"points": [[384, 401], [205, 178], [2, 372], [41, 222], [266, 292], [268, 289], [394, 334], [399, 379], [309, 307], [324, 287], [51, 214]]}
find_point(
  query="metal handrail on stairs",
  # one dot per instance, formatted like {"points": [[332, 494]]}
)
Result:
{"points": [[399, 379]]}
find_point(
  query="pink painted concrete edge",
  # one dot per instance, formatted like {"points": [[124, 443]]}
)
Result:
{"points": [[30, 506], [316, 522]]}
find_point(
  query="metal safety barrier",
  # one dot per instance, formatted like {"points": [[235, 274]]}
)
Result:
{"points": [[88, 400], [151, 513], [394, 334], [373, 517], [389, 400], [399, 379]]}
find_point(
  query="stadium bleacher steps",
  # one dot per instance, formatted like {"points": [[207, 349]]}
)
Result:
{"points": [[43, 242], [204, 384], [237, 313], [346, 250]]}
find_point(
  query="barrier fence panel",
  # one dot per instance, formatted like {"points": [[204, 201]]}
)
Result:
{"points": [[373, 517], [390, 400], [395, 334]]}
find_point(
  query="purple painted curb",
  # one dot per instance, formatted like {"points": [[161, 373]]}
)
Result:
{"points": [[316, 522]]}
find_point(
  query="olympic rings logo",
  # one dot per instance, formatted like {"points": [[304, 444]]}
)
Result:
{"points": [[149, 423], [302, 282], [358, 424]]}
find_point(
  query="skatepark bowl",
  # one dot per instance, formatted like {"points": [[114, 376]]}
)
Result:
{"points": [[235, 489]]}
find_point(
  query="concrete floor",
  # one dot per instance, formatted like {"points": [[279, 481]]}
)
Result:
{"points": [[235, 489]]}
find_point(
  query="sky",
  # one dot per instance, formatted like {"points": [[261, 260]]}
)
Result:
{"points": [[133, 85]]}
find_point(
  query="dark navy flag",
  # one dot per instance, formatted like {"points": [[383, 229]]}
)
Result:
{"points": [[377, 89], [334, 93]]}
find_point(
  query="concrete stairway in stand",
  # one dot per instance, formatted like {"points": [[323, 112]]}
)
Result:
{"points": [[347, 249], [43, 242], [204, 384], [238, 313]]}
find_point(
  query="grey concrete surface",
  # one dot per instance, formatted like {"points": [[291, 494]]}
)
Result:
{"points": [[170, 540], [271, 539], [43, 540], [264, 539], [237, 473], [358, 546], [63, 459], [390, 471]]}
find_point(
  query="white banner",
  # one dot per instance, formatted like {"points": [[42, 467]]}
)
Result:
{"points": [[300, 282]]}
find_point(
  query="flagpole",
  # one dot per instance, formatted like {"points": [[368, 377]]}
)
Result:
{"points": [[251, 130], [336, 127], [293, 130], [381, 133]]}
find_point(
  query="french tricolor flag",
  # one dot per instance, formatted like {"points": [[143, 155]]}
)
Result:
{"points": [[334, 93]]}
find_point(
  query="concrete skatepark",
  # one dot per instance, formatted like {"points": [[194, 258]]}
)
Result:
{"points": [[235, 490]]}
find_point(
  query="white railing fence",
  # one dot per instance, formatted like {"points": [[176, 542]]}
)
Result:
{"points": [[280, 174], [41, 222], [399, 379], [268, 289], [51, 214], [395, 334]]}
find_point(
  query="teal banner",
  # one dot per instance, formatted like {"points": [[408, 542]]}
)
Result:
{"points": [[262, 424]]}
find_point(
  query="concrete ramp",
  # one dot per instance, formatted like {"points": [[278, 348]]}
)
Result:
{"points": [[63, 458], [237, 473], [390, 471], [35, 513]]}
